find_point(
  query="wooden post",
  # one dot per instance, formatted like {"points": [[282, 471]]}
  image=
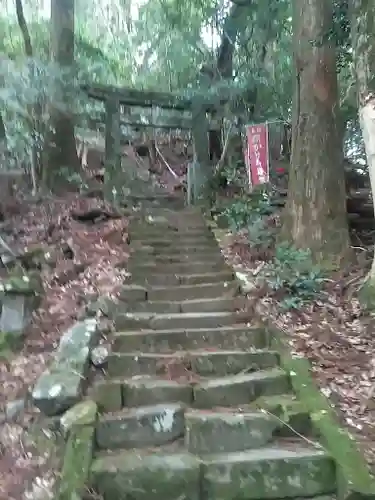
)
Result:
{"points": [[112, 133], [202, 164], [112, 163]]}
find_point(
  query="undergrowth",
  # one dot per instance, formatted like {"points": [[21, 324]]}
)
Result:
{"points": [[292, 278], [289, 274]]}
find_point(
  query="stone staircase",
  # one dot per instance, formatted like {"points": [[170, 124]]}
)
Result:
{"points": [[193, 402]]}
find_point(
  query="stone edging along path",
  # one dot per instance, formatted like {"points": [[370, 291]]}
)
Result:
{"points": [[230, 445]]}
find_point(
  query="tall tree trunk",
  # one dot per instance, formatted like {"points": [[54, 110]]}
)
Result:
{"points": [[35, 121], [363, 26], [315, 215], [63, 153], [24, 29], [3, 135]]}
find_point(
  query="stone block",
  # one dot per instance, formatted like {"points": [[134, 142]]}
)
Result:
{"points": [[141, 427], [60, 386], [270, 472], [107, 394], [57, 390], [76, 464], [132, 293], [226, 362], [81, 337], [146, 391], [147, 476], [83, 413], [227, 431], [240, 389], [16, 314]]}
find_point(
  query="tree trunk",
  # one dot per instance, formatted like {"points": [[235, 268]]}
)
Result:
{"points": [[62, 151], [3, 135], [363, 25], [315, 216]]}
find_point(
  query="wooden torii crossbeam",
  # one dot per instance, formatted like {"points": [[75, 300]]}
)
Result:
{"points": [[198, 104], [147, 98]]}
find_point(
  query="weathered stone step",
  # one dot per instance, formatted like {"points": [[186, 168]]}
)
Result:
{"points": [[232, 337], [151, 390], [173, 239], [224, 391], [204, 363], [228, 431], [291, 412], [170, 279], [190, 292], [150, 321], [277, 471], [145, 232], [177, 258], [240, 389], [186, 306], [179, 267], [193, 248], [141, 427]]}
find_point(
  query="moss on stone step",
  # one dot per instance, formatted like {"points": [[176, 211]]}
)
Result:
{"points": [[77, 462], [353, 474], [292, 414]]}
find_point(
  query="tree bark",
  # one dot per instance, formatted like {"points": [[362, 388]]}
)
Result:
{"points": [[63, 152], [362, 27], [315, 216], [24, 29]]}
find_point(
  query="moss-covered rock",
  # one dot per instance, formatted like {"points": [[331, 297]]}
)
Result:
{"points": [[367, 295], [20, 282], [76, 463], [81, 414]]}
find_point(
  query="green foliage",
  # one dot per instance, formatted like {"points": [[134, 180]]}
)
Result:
{"points": [[248, 209], [293, 278]]}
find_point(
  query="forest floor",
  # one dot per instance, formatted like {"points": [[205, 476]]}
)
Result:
{"points": [[336, 336], [84, 266]]}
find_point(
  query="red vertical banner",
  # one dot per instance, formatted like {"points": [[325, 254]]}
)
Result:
{"points": [[257, 154]]}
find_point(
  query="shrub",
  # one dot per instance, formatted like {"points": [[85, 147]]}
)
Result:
{"points": [[293, 278]]}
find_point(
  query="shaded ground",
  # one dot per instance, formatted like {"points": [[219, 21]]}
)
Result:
{"points": [[83, 258]]}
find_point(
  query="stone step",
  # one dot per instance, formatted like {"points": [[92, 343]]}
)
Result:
{"points": [[177, 258], [286, 470], [240, 389], [277, 471], [218, 431], [141, 427], [227, 391], [292, 414], [190, 292], [150, 321], [231, 337], [186, 306], [179, 267], [143, 390], [173, 238], [204, 363], [170, 279], [193, 248], [145, 232]]}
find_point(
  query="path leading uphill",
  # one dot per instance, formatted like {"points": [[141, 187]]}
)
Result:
{"points": [[194, 401]]}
